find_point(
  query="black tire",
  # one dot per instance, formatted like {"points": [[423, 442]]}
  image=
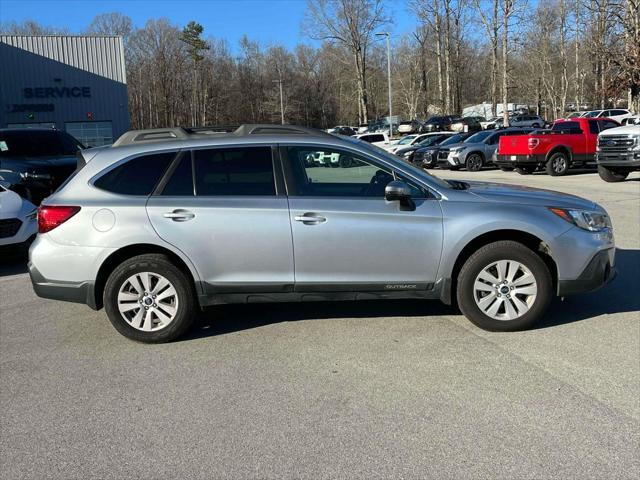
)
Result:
{"points": [[557, 165], [159, 264], [528, 170], [474, 162], [612, 176], [493, 252], [506, 169]]}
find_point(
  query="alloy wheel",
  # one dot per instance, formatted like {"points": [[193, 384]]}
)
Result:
{"points": [[505, 290], [559, 164], [474, 163], [148, 301]]}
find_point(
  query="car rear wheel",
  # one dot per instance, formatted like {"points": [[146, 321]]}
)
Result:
{"points": [[474, 163], [611, 175], [526, 170], [148, 299], [504, 286], [557, 165]]}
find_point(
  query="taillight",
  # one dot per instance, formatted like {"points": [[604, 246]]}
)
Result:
{"points": [[533, 143], [51, 216]]}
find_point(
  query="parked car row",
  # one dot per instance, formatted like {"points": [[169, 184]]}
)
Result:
{"points": [[579, 142], [621, 115]]}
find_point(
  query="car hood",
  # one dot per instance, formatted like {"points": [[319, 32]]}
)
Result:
{"points": [[497, 192], [454, 145]]}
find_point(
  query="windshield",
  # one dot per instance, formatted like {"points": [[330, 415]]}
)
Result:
{"points": [[457, 138], [431, 140], [593, 114], [434, 120], [393, 159], [406, 140], [479, 137], [37, 143]]}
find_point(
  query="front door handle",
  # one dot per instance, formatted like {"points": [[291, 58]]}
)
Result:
{"points": [[309, 219], [179, 215]]}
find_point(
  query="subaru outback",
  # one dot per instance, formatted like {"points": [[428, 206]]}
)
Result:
{"points": [[166, 222]]}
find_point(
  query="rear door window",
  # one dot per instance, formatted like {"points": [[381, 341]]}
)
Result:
{"points": [[137, 176], [181, 181], [234, 172]]}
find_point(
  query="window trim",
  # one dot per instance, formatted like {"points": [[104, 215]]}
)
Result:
{"points": [[292, 185], [278, 179]]}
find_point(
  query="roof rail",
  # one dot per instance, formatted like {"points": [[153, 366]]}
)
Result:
{"points": [[182, 133], [151, 135]]}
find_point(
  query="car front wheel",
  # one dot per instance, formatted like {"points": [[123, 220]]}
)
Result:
{"points": [[612, 176], [474, 163], [148, 299], [504, 286]]}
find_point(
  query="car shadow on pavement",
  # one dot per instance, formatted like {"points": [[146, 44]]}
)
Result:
{"points": [[620, 296], [13, 261], [224, 319], [617, 297]]}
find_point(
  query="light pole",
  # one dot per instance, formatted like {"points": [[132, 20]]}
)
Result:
{"points": [[279, 82], [386, 34]]}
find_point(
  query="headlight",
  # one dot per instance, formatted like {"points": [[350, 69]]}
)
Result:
{"points": [[457, 150], [32, 215], [585, 219]]}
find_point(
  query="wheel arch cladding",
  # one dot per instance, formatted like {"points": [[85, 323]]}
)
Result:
{"points": [[531, 241], [560, 149], [119, 256]]}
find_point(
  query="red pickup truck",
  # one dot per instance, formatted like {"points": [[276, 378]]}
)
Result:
{"points": [[569, 143]]}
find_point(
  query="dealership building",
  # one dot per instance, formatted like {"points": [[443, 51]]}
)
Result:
{"points": [[73, 83]]}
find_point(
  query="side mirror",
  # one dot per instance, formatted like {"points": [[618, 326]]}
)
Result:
{"points": [[397, 190]]}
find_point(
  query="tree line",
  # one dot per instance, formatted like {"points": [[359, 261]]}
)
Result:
{"points": [[549, 54]]}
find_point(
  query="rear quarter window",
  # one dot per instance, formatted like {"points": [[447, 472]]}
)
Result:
{"points": [[137, 176]]}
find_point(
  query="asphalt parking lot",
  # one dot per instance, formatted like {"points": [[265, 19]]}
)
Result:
{"points": [[353, 390]]}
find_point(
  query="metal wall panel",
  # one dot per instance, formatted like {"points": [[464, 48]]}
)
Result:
{"points": [[54, 65], [103, 56]]}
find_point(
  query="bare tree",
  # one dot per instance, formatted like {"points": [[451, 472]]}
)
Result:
{"points": [[490, 22], [113, 23], [508, 8], [351, 23], [31, 27]]}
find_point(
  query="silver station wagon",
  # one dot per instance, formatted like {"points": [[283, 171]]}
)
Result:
{"points": [[169, 221]]}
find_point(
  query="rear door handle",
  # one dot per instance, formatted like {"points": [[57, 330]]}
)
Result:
{"points": [[309, 219], [179, 215]]}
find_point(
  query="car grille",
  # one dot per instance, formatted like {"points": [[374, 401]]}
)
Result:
{"points": [[9, 227], [616, 143], [443, 154]]}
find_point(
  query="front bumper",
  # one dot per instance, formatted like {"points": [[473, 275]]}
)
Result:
{"points": [[630, 160], [76, 292], [27, 230], [598, 272]]}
